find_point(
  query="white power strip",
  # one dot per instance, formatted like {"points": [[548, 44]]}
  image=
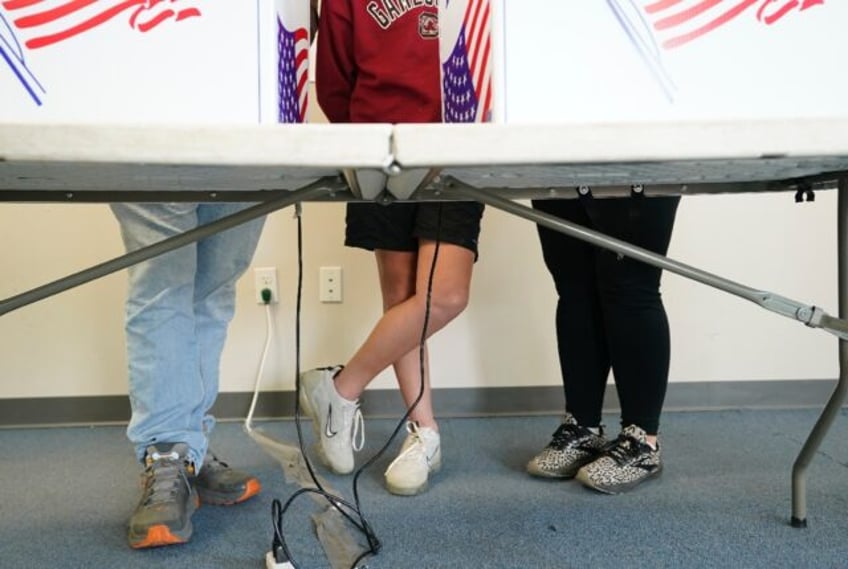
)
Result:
{"points": [[271, 562]]}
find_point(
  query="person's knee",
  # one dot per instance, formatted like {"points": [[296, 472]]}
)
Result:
{"points": [[449, 304]]}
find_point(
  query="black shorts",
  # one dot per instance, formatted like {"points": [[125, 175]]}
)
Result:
{"points": [[398, 226]]}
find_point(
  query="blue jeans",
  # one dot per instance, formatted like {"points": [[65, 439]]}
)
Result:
{"points": [[177, 312]]}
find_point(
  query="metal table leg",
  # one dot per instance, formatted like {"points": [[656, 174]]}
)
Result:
{"points": [[831, 410]]}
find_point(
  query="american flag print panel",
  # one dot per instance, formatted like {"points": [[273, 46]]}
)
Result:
{"points": [[36, 24], [292, 73], [46, 22], [678, 22], [467, 72], [657, 26]]}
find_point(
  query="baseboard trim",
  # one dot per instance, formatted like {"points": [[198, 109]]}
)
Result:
{"points": [[459, 402]]}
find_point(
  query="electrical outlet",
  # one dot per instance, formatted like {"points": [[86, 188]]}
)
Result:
{"points": [[265, 277], [330, 284]]}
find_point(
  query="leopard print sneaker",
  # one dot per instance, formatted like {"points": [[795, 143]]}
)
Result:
{"points": [[626, 462], [571, 447]]}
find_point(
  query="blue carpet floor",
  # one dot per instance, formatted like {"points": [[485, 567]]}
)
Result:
{"points": [[723, 501]]}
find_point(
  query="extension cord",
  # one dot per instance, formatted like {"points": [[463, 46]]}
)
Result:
{"points": [[272, 563]]}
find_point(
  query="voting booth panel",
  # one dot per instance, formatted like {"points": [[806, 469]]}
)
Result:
{"points": [[186, 61], [197, 61], [646, 60]]}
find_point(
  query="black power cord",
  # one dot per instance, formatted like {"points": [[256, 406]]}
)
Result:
{"points": [[282, 557], [279, 545]]}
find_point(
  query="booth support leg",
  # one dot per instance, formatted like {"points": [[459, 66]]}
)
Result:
{"points": [[831, 410]]}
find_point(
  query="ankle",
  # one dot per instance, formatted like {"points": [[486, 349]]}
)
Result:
{"points": [[427, 424], [342, 390]]}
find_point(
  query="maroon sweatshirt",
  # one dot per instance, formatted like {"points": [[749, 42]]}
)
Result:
{"points": [[378, 61]]}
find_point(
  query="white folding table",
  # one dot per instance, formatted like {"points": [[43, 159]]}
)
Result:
{"points": [[281, 165]]}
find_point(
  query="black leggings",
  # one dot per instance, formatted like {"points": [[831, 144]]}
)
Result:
{"points": [[610, 313]]}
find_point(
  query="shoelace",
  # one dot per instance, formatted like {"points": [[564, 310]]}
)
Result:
{"points": [[624, 448], [164, 475], [416, 449], [565, 435]]}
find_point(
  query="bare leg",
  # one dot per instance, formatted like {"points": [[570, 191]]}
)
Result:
{"points": [[396, 336], [397, 283]]}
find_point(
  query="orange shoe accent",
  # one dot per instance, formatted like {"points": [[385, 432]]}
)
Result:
{"points": [[158, 536], [253, 488]]}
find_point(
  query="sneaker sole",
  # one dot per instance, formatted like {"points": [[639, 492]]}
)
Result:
{"points": [[569, 474], [402, 491], [618, 488], [161, 535], [413, 491], [539, 473], [306, 404], [252, 488]]}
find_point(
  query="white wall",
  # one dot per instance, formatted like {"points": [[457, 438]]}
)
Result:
{"points": [[72, 344]]}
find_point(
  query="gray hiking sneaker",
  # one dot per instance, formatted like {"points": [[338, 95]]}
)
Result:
{"points": [[337, 422], [168, 500], [220, 484], [571, 447], [626, 462], [420, 455]]}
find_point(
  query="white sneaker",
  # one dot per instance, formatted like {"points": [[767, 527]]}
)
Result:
{"points": [[420, 455], [337, 422]]}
